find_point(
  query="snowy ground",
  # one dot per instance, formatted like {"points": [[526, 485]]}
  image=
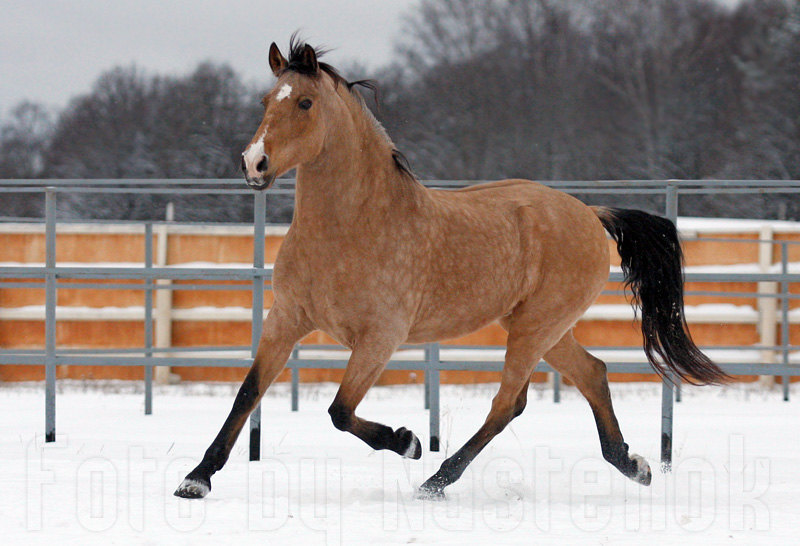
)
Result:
{"points": [[110, 476]]}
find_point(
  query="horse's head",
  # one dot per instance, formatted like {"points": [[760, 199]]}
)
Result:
{"points": [[297, 112]]}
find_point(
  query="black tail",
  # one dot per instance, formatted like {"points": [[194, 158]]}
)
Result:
{"points": [[652, 263]]}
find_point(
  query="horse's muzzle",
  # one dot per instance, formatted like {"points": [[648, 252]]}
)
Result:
{"points": [[258, 178], [260, 183]]}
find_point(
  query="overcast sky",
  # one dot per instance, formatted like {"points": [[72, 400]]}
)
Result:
{"points": [[51, 50]]}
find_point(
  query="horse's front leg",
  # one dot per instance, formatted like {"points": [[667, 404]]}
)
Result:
{"points": [[281, 331], [368, 360]]}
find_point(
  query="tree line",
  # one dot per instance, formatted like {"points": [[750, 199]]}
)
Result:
{"points": [[479, 90]]}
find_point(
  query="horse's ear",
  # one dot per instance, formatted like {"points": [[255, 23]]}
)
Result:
{"points": [[277, 62], [308, 59]]}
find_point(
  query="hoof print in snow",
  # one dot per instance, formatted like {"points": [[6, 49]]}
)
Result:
{"points": [[430, 494]]}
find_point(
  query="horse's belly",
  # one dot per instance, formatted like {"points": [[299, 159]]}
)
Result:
{"points": [[426, 333], [449, 320]]}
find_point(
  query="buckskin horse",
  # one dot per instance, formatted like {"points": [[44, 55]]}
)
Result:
{"points": [[375, 259]]}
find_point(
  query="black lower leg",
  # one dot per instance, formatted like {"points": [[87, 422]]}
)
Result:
{"points": [[217, 453], [376, 435], [615, 451], [451, 470], [214, 459], [453, 467]]}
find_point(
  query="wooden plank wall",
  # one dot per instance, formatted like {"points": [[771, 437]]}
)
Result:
{"points": [[20, 327]]}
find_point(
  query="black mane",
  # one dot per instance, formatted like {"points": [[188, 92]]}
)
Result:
{"points": [[295, 63]]}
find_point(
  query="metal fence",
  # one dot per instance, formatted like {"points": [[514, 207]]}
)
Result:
{"points": [[432, 362]]}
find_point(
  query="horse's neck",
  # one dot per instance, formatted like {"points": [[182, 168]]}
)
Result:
{"points": [[353, 180]]}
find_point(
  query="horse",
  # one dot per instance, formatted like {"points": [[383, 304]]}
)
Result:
{"points": [[375, 259]]}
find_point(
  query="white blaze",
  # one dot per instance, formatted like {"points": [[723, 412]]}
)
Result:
{"points": [[283, 92], [255, 151]]}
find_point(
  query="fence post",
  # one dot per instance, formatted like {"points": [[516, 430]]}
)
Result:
{"points": [[163, 332], [427, 377], [259, 241], [295, 381], [433, 369], [667, 383], [556, 387], [51, 300], [672, 211], [767, 304], [785, 317], [148, 319]]}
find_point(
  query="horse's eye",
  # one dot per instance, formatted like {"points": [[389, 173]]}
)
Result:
{"points": [[305, 104]]}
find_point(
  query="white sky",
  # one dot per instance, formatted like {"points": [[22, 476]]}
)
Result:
{"points": [[51, 50]]}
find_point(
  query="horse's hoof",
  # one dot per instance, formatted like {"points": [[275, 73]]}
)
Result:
{"points": [[428, 493], [643, 474], [414, 449], [192, 488]]}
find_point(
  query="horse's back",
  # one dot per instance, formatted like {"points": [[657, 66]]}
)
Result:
{"points": [[512, 193], [556, 213], [498, 244], [565, 232], [502, 184]]}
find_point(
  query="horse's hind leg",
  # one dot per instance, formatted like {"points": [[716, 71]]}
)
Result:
{"points": [[524, 350], [589, 375], [368, 360], [281, 331]]}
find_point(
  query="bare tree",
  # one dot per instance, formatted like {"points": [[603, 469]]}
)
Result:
{"points": [[480, 89], [24, 139]]}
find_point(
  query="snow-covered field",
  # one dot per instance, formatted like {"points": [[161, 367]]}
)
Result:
{"points": [[110, 476]]}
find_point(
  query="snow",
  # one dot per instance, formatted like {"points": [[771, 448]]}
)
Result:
{"points": [[122, 229], [688, 226], [110, 476], [454, 354], [189, 265], [741, 268], [706, 313], [692, 226], [725, 313], [128, 314], [738, 269]]}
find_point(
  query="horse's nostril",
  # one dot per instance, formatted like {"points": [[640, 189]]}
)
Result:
{"points": [[244, 165], [262, 165]]}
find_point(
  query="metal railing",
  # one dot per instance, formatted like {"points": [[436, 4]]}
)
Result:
{"points": [[434, 359]]}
